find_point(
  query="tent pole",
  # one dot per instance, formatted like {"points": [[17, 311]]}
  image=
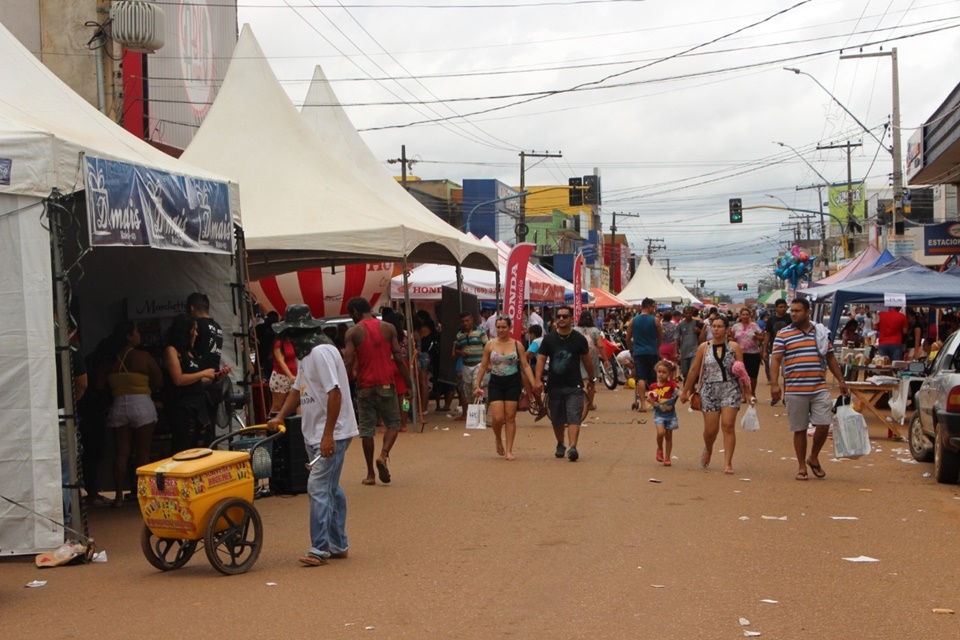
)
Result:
{"points": [[411, 362], [497, 310], [459, 286], [243, 295], [78, 519]]}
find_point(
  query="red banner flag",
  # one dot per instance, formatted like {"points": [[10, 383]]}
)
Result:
{"points": [[516, 286], [577, 286]]}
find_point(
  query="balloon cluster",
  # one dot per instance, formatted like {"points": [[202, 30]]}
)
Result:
{"points": [[794, 266]]}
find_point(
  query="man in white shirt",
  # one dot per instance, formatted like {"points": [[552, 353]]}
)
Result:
{"points": [[534, 318], [489, 323], [329, 425]]}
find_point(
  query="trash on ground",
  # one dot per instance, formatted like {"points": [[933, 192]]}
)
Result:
{"points": [[750, 634], [774, 517], [928, 475], [744, 479], [655, 481], [743, 518], [271, 584], [36, 584], [744, 622], [769, 601], [862, 559], [947, 611], [99, 556], [844, 518], [865, 490], [659, 586], [466, 435]]}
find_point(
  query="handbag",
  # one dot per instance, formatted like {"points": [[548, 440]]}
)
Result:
{"points": [[696, 402], [477, 416]]}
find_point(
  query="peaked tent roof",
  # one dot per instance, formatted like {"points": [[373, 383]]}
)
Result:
{"points": [[649, 282], [46, 127], [302, 207], [868, 258], [330, 122], [606, 300], [685, 296]]}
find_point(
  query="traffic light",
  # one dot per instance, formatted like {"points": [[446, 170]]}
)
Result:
{"points": [[736, 211], [576, 192], [743, 286], [592, 184]]}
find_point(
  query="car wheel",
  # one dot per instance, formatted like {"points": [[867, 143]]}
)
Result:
{"points": [[920, 446], [946, 464]]}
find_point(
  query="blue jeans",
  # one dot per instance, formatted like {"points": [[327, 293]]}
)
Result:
{"points": [[892, 351], [328, 503]]}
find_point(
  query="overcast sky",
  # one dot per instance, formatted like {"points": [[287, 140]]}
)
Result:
{"points": [[676, 102]]}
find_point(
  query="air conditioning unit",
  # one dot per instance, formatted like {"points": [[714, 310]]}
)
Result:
{"points": [[138, 25]]}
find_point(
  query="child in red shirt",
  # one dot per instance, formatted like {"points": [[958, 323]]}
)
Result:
{"points": [[663, 396]]}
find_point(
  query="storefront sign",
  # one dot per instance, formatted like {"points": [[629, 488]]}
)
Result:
{"points": [[900, 246], [134, 206], [838, 200], [941, 239]]}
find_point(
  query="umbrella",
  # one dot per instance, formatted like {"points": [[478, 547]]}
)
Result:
{"points": [[771, 297]]}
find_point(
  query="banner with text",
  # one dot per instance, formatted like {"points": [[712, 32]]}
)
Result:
{"points": [[133, 206], [838, 200], [941, 239], [577, 287], [516, 286]]}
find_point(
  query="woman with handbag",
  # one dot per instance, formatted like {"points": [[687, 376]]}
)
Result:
{"points": [[504, 358], [719, 391]]}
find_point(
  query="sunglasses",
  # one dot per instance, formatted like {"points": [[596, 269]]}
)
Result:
{"points": [[563, 316]]}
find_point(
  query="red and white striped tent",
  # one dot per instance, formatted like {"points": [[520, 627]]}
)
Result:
{"points": [[326, 291]]}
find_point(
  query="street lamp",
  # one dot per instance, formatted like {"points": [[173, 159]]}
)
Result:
{"points": [[823, 246], [835, 99]]}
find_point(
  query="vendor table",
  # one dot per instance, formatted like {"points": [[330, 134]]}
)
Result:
{"points": [[870, 394]]}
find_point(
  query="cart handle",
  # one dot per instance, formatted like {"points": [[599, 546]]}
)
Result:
{"points": [[259, 427]]}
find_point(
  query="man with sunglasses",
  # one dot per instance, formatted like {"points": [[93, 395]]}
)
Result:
{"points": [[566, 349]]}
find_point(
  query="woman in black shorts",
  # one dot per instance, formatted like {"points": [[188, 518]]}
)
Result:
{"points": [[504, 358]]}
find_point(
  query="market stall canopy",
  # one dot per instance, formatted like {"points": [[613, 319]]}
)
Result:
{"points": [[340, 138], [868, 258], [302, 207], [685, 295], [649, 282], [53, 139], [919, 285], [539, 270], [771, 297], [606, 300]]}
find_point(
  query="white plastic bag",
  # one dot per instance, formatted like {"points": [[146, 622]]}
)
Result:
{"points": [[898, 402], [750, 421], [477, 416], [850, 436]]}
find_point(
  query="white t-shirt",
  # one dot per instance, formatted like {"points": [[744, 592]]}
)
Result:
{"points": [[534, 319], [318, 374], [490, 326]]}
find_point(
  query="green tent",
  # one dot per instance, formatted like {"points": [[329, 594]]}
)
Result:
{"points": [[771, 297]]}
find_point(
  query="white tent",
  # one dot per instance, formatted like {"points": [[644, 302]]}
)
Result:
{"points": [[649, 282], [340, 139], [303, 206], [686, 296], [47, 136]]}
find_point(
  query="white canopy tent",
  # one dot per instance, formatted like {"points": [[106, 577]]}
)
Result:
{"points": [[686, 296], [649, 282], [304, 206], [47, 134], [340, 139]]}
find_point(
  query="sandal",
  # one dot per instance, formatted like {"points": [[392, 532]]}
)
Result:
{"points": [[728, 471], [802, 475], [704, 459], [312, 560], [667, 462], [659, 455], [817, 470]]}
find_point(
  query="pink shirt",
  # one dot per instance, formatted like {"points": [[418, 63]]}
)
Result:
{"points": [[746, 337]]}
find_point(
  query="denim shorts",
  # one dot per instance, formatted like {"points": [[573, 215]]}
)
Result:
{"points": [[372, 402], [668, 421], [136, 410]]}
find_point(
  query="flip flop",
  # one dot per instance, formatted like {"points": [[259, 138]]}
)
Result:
{"points": [[383, 472], [802, 475], [817, 470], [312, 560], [704, 459], [728, 471]]}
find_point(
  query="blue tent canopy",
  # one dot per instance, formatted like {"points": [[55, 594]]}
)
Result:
{"points": [[920, 285]]}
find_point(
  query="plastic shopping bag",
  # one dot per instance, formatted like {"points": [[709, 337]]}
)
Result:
{"points": [[477, 416], [898, 402], [850, 436], [750, 421]]}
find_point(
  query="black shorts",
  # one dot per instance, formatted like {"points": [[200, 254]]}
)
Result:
{"points": [[504, 388], [566, 405], [646, 366], [752, 363]]}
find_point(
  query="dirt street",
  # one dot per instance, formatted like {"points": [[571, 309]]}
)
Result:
{"points": [[463, 544]]}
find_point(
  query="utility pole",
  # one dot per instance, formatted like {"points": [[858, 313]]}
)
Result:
{"points": [[613, 233], [823, 231], [404, 163], [522, 224], [897, 217], [851, 221], [651, 247]]}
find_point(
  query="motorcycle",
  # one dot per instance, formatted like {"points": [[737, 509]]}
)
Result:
{"points": [[611, 371]]}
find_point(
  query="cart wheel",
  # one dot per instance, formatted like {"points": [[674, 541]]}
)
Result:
{"points": [[166, 554], [234, 536]]}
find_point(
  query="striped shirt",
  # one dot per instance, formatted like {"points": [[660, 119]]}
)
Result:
{"points": [[804, 372]]}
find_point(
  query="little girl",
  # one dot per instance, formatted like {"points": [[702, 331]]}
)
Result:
{"points": [[663, 396]]}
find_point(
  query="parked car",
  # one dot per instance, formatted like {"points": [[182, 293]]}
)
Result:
{"points": [[935, 426]]}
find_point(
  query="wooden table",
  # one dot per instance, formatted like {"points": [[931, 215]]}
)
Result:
{"points": [[870, 394]]}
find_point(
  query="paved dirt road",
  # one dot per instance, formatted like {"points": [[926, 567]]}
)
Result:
{"points": [[465, 545]]}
